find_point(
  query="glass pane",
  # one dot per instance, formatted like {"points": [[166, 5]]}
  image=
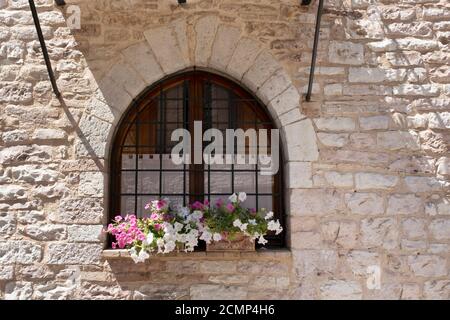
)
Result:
{"points": [[219, 92], [265, 202], [128, 159], [127, 182], [245, 182], [172, 182], [126, 205], [222, 166], [177, 201], [148, 182], [265, 184], [141, 202], [245, 166], [250, 202], [148, 161], [220, 182], [147, 138]]}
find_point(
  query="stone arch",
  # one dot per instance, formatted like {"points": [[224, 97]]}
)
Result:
{"points": [[216, 47]]}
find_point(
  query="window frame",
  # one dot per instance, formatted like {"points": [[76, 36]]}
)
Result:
{"points": [[193, 78]]}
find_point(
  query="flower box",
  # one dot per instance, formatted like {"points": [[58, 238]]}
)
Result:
{"points": [[167, 228], [239, 242]]}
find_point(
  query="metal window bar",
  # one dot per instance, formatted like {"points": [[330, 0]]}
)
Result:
{"points": [[185, 126], [136, 175], [48, 63], [315, 47], [256, 166], [208, 118], [160, 137]]}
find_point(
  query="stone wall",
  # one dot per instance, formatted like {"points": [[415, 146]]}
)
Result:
{"points": [[367, 160]]}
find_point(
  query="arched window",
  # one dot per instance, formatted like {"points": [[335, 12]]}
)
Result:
{"points": [[142, 169]]}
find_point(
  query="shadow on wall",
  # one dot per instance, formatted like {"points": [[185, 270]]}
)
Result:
{"points": [[83, 138]]}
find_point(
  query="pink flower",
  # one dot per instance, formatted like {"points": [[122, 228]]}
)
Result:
{"points": [[147, 206], [118, 218], [157, 227], [230, 207], [154, 216], [114, 245], [160, 204], [197, 205], [219, 203], [206, 203]]}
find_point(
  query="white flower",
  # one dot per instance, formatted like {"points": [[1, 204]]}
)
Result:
{"points": [[184, 212], [169, 246], [252, 222], [206, 236], [254, 236], [169, 237], [269, 215], [233, 198], [168, 228], [275, 226], [149, 239], [243, 227], [160, 244], [193, 233], [242, 196], [143, 255], [195, 216], [262, 241], [217, 236], [237, 223], [133, 254], [178, 226], [180, 237], [272, 225]]}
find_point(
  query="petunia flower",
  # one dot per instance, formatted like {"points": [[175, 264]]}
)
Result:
{"points": [[149, 239], [219, 203], [243, 227], [237, 223], [269, 215], [262, 241]]}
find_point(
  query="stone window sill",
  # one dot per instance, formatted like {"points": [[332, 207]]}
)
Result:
{"points": [[110, 254]]}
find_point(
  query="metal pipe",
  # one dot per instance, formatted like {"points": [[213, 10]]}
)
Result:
{"points": [[44, 47], [314, 53]]}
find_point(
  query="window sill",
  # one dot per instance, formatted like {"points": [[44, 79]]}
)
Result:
{"points": [[275, 254]]}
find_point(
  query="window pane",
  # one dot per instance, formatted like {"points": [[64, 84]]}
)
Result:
{"points": [[172, 182], [141, 202], [128, 159], [127, 206], [127, 182], [265, 183], [250, 202], [220, 182], [148, 161], [245, 182], [265, 202], [148, 182]]}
